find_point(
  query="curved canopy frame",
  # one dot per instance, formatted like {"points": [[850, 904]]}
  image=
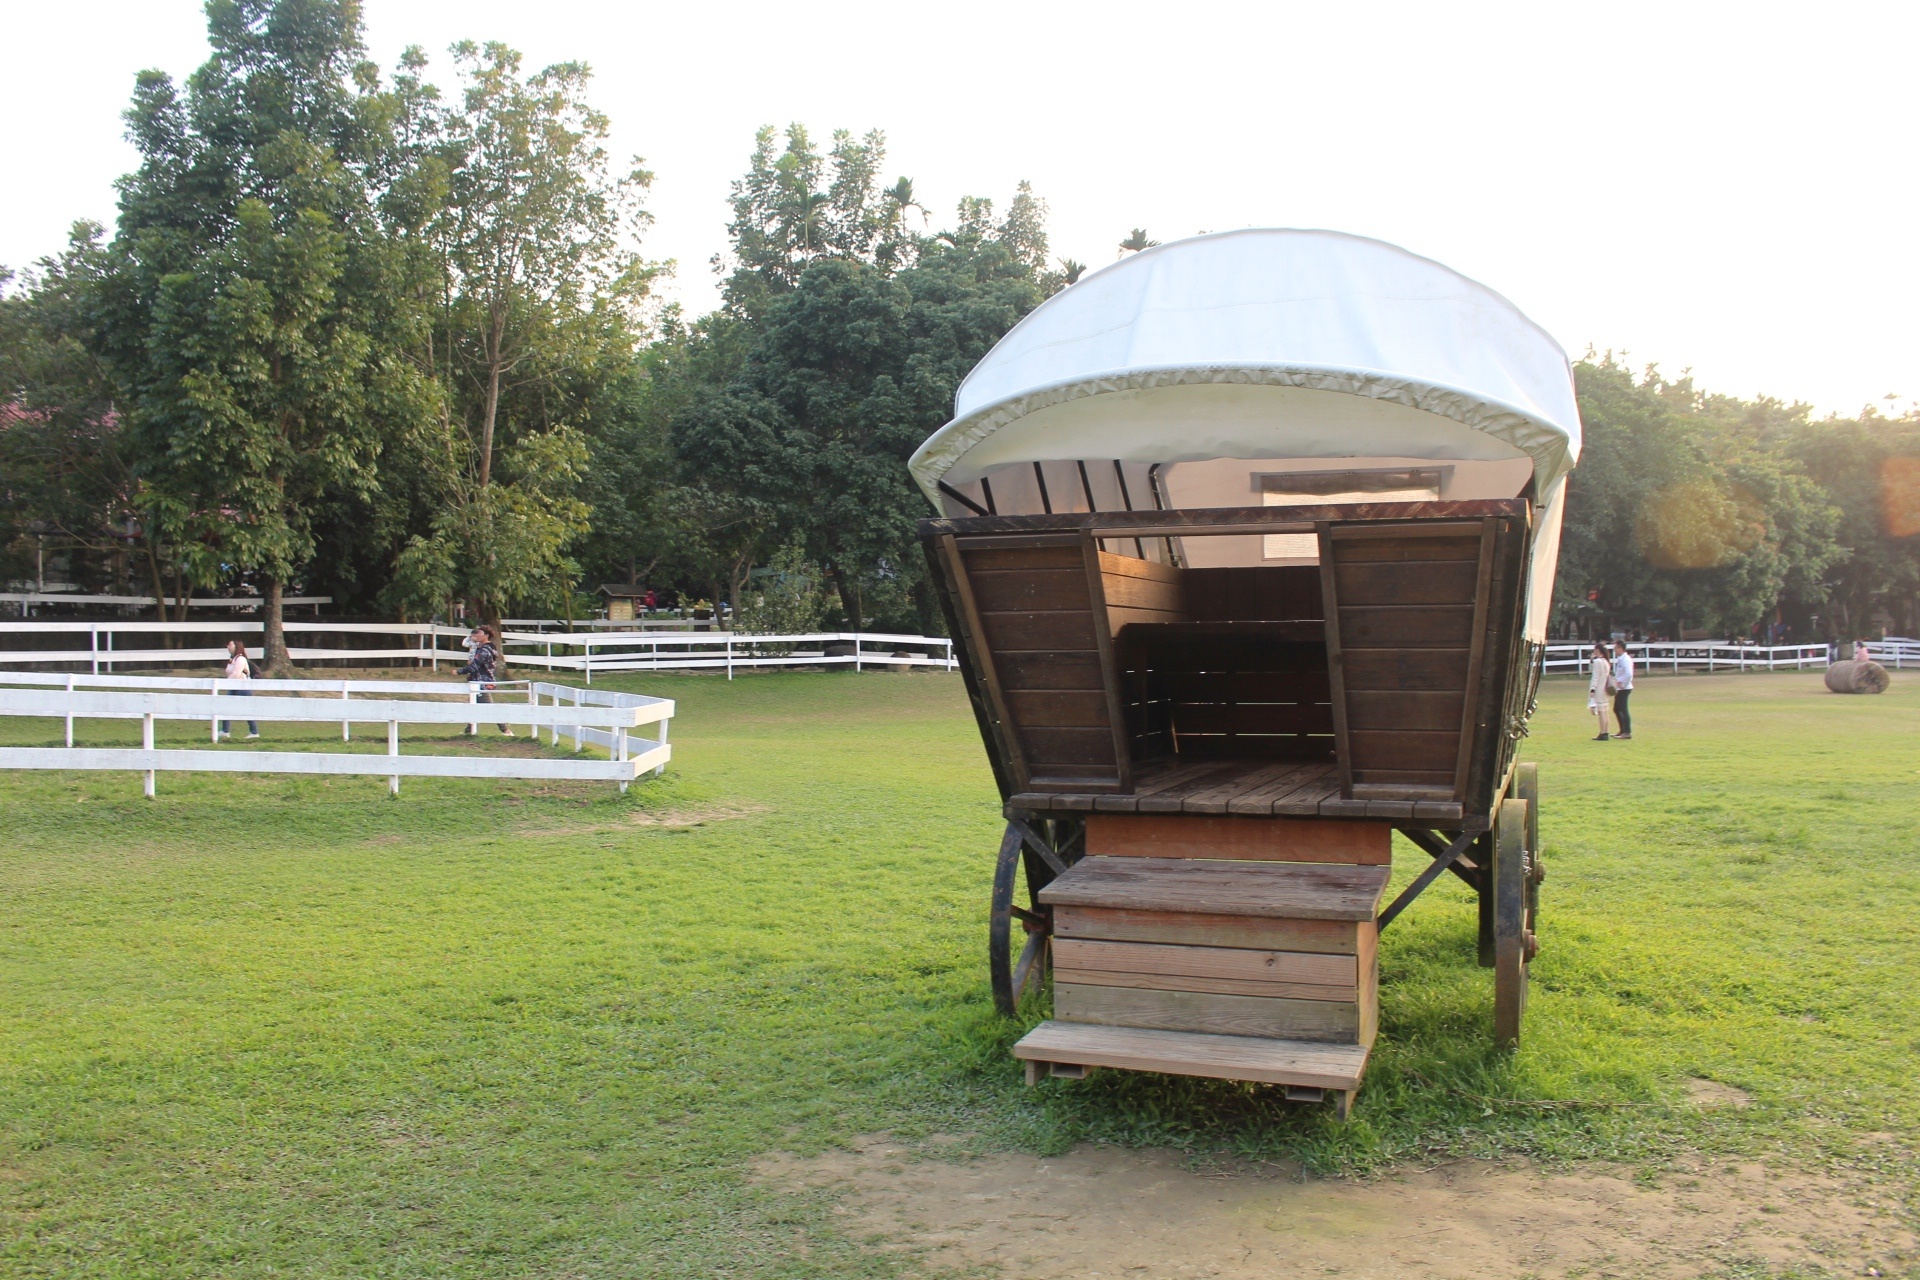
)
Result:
{"points": [[1325, 345], [1270, 343]]}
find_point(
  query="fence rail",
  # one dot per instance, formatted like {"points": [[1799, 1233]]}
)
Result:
{"points": [[1653, 657], [590, 716], [101, 647], [430, 644], [24, 601]]}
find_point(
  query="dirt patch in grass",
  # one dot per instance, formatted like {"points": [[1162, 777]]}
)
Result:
{"points": [[1105, 1211], [678, 816], [1708, 1094]]}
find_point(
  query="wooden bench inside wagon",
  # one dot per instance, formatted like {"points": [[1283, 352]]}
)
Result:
{"points": [[1208, 718]]}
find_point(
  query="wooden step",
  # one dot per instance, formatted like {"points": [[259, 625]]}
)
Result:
{"points": [[1187, 1053], [1278, 890], [1157, 835]]}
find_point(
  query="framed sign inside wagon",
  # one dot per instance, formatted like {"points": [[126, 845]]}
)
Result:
{"points": [[1247, 542]]}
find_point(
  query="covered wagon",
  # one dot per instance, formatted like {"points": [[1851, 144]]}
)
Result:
{"points": [[1247, 545]]}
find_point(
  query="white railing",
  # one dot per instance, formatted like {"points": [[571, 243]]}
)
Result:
{"points": [[430, 644], [1653, 657], [25, 600], [589, 716], [727, 650], [98, 652], [1894, 651]]}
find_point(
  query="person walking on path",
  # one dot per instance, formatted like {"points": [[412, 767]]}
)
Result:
{"points": [[1622, 690], [238, 668], [483, 664], [1599, 687]]}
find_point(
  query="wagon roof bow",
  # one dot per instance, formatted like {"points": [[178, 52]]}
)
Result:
{"points": [[1265, 343]]}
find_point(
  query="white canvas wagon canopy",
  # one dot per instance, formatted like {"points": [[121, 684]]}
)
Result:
{"points": [[1228, 369]]}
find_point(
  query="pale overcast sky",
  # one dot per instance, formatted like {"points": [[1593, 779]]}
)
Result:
{"points": [[1729, 187]]}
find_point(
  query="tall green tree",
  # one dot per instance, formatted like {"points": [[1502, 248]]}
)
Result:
{"points": [[1682, 510], [543, 296], [795, 206], [1868, 468], [854, 365], [258, 356], [66, 461]]}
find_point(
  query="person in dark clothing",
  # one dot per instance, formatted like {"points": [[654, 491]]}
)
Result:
{"points": [[483, 666], [1622, 690]]}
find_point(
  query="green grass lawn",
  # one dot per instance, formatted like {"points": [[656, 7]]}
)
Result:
{"points": [[287, 1026]]}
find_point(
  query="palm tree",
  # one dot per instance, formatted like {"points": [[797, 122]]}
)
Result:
{"points": [[1137, 241], [900, 195], [1071, 271]]}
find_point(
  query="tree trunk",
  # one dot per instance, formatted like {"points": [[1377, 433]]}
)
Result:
{"points": [[498, 631], [736, 585], [181, 593], [496, 337], [159, 582], [274, 649]]}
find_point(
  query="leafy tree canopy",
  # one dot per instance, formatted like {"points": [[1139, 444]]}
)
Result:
{"points": [[854, 365], [1681, 510]]}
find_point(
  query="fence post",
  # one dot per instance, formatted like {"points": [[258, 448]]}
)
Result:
{"points": [[213, 722], [146, 744], [393, 749], [346, 726], [620, 752], [473, 699], [662, 766], [856, 651], [93, 644], [576, 724], [729, 655], [69, 714]]}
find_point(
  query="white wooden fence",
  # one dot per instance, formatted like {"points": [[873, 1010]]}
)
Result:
{"points": [[590, 716], [1652, 657], [99, 646], [92, 645]]}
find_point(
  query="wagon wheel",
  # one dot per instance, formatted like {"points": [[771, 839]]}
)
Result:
{"points": [[1036, 852], [1512, 932], [1526, 785]]}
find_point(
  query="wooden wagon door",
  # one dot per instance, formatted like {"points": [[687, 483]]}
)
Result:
{"points": [[1041, 645], [1406, 608]]}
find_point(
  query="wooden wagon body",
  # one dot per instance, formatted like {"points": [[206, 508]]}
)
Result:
{"points": [[1207, 719]]}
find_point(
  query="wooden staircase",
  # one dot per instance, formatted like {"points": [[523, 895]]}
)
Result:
{"points": [[1250, 956]]}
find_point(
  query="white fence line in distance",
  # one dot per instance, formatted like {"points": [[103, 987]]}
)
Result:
{"points": [[654, 649], [584, 652], [1674, 656], [590, 716]]}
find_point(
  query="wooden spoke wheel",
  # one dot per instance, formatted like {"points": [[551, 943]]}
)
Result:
{"points": [[1514, 887], [1020, 930], [1526, 785]]}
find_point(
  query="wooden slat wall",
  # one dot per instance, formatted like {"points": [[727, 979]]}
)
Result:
{"points": [[1141, 591], [1407, 604], [1263, 593], [1227, 697], [1040, 617]]}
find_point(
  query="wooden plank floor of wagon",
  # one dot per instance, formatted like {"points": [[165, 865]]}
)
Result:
{"points": [[1249, 788]]}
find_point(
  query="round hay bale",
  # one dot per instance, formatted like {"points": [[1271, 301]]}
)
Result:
{"points": [[1854, 676]]}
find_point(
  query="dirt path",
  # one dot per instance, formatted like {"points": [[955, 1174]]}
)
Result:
{"points": [[1105, 1212]]}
